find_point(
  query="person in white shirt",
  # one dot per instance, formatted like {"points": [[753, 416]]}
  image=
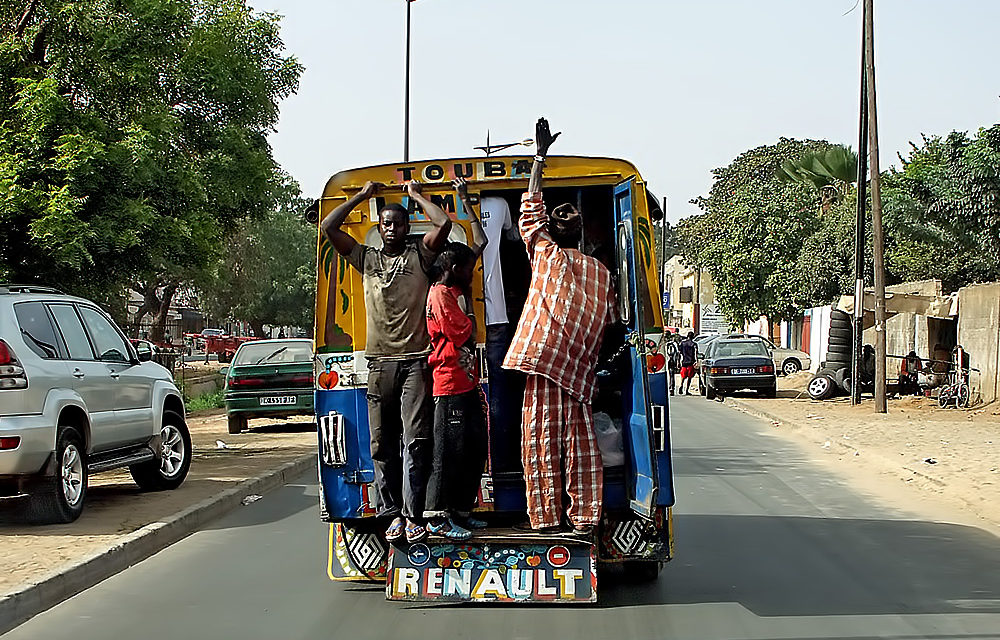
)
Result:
{"points": [[496, 221]]}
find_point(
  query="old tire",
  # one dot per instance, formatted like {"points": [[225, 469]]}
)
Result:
{"points": [[821, 387], [171, 466], [59, 499], [237, 423], [790, 366], [841, 336]]}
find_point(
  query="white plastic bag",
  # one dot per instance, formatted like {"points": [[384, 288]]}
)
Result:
{"points": [[609, 440]]}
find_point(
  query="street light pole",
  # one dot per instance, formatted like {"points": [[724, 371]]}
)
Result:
{"points": [[859, 226], [406, 98], [878, 241]]}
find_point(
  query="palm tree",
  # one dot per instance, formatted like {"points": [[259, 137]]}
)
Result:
{"points": [[831, 172], [335, 268]]}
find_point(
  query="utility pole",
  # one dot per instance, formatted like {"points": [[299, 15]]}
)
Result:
{"points": [[857, 365], [878, 239]]}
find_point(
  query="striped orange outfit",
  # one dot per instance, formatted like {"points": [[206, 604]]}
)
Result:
{"points": [[557, 342]]}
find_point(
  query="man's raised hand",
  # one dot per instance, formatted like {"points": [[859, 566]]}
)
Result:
{"points": [[461, 186], [413, 188], [544, 137], [371, 188]]}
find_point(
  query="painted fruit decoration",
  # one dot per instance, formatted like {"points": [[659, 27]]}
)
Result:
{"points": [[328, 379], [533, 561], [655, 362]]}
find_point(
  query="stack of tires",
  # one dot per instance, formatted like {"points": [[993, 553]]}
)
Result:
{"points": [[834, 375]]}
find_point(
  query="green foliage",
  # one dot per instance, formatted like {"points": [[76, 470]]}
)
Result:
{"points": [[942, 211], [133, 136], [268, 272], [830, 171], [212, 400], [752, 231]]}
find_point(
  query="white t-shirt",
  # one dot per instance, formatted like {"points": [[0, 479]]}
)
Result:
{"points": [[495, 217]]}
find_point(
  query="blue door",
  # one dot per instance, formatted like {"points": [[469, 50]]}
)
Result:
{"points": [[639, 444]]}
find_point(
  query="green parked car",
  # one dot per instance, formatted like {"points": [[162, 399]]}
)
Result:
{"points": [[269, 379]]}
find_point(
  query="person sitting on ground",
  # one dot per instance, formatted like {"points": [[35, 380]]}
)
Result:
{"points": [[459, 413], [689, 353], [400, 408], [910, 367]]}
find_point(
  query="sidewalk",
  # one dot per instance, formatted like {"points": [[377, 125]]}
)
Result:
{"points": [[953, 455], [121, 525]]}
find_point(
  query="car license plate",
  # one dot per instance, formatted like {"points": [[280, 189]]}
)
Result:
{"points": [[269, 400], [743, 372]]}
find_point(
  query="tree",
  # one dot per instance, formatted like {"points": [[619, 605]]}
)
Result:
{"points": [[942, 210], [268, 274], [831, 171], [752, 231], [132, 137]]}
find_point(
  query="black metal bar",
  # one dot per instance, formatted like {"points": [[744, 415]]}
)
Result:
{"points": [[859, 229], [406, 98]]}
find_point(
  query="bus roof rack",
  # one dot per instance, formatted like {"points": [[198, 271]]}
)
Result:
{"points": [[27, 288]]}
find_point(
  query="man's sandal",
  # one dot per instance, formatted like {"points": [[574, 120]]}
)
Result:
{"points": [[395, 530], [415, 532], [449, 529]]}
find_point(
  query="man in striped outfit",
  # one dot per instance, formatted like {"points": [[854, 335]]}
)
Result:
{"points": [[557, 342]]}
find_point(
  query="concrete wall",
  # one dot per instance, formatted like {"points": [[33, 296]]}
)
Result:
{"points": [[905, 332], [979, 333]]}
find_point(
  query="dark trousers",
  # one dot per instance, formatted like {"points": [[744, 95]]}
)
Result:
{"points": [[401, 419], [459, 454], [506, 391]]}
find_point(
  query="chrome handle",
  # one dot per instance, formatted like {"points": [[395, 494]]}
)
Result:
{"points": [[77, 373], [115, 375]]}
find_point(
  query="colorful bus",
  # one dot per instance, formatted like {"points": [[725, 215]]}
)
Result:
{"points": [[500, 564]]}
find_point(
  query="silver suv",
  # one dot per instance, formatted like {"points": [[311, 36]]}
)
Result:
{"points": [[77, 398]]}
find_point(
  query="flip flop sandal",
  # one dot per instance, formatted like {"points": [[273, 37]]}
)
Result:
{"points": [[449, 530], [415, 532], [395, 531]]}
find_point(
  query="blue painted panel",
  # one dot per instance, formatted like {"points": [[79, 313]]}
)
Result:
{"points": [[342, 487], [638, 437]]}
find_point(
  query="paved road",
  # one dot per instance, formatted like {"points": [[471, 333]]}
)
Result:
{"points": [[768, 546]]}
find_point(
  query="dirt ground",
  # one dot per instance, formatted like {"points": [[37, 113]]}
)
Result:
{"points": [[115, 506], [942, 463]]}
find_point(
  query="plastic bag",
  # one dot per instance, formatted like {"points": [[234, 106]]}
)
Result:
{"points": [[609, 440]]}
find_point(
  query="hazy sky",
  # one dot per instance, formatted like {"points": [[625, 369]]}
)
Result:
{"points": [[677, 87]]}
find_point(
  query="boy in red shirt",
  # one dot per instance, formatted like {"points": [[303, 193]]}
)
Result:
{"points": [[459, 416]]}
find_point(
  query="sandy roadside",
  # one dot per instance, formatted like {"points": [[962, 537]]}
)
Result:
{"points": [[115, 506], [943, 464]]}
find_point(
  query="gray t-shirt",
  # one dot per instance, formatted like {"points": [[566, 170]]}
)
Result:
{"points": [[395, 299]]}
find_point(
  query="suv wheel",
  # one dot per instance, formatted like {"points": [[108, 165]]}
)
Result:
{"points": [[59, 499], [171, 466]]}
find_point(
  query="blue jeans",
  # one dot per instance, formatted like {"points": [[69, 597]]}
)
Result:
{"points": [[401, 419], [506, 396]]}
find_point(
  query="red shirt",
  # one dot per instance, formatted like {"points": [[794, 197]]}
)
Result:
{"points": [[570, 302], [453, 358]]}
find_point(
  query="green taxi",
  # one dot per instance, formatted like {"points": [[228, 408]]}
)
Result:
{"points": [[269, 379]]}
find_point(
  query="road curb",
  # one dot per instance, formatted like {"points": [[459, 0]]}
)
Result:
{"points": [[71, 579]]}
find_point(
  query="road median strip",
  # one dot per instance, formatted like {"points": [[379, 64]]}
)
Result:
{"points": [[80, 574]]}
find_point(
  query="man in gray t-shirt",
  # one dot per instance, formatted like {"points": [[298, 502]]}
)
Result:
{"points": [[400, 405]]}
